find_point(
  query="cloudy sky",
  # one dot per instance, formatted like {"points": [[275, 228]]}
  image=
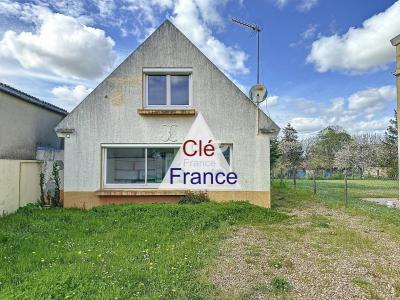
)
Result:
{"points": [[323, 62]]}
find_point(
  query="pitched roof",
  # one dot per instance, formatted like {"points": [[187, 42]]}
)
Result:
{"points": [[30, 99], [396, 40], [268, 122]]}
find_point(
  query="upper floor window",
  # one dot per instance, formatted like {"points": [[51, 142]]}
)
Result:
{"points": [[168, 87]]}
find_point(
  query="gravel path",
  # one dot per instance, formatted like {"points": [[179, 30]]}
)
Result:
{"points": [[322, 253]]}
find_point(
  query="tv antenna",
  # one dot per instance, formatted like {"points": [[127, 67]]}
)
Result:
{"points": [[257, 29], [258, 93]]}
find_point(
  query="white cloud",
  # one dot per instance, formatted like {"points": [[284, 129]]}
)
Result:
{"points": [[302, 5], [9, 7], [67, 7], [337, 106], [147, 10], [61, 45], [308, 124], [306, 36], [188, 18], [195, 18], [68, 97], [209, 11], [377, 125], [360, 49], [272, 101], [310, 31], [306, 5], [367, 110], [281, 3], [106, 7], [372, 99]]}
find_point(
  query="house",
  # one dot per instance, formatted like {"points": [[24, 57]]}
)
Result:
{"points": [[120, 140], [396, 43], [26, 123], [26, 126]]}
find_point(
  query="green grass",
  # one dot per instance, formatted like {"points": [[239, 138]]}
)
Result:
{"points": [[117, 252], [331, 193], [164, 251]]}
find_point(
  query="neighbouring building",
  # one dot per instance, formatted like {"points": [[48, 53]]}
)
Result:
{"points": [[120, 140], [26, 123], [396, 42], [27, 137]]}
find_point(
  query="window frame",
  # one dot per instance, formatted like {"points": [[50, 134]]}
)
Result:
{"points": [[168, 72], [145, 185], [108, 186]]}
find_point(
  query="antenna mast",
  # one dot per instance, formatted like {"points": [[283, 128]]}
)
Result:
{"points": [[257, 29]]}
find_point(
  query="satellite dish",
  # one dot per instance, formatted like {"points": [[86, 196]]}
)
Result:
{"points": [[258, 93]]}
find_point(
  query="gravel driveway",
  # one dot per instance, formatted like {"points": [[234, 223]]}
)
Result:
{"points": [[319, 253]]}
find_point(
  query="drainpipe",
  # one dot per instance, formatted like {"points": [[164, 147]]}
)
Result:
{"points": [[396, 43]]}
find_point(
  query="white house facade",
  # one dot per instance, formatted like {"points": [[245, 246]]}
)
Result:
{"points": [[121, 139]]}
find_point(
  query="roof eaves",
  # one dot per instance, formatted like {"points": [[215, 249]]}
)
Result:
{"points": [[33, 100], [396, 40]]}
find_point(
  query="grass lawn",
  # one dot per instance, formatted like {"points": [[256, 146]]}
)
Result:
{"points": [[331, 194], [117, 252], [306, 246], [357, 188]]}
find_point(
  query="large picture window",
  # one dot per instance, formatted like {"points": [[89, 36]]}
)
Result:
{"points": [[167, 88], [125, 165], [134, 166], [137, 166]]}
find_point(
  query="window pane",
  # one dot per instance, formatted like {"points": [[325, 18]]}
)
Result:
{"points": [[179, 89], [157, 89], [158, 162], [226, 151], [125, 165]]}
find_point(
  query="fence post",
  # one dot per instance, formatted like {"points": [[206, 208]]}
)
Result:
{"points": [[315, 184], [345, 188], [294, 177]]}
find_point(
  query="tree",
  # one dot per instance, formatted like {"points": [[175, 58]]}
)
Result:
{"points": [[391, 134], [313, 158], [366, 151], [289, 134], [346, 158], [274, 153], [359, 154], [328, 142], [291, 150], [388, 153]]}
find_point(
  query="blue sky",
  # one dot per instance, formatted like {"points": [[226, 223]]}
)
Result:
{"points": [[323, 62]]}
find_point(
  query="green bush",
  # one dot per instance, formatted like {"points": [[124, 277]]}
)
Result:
{"points": [[280, 285], [194, 198]]}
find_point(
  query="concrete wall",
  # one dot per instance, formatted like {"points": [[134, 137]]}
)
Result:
{"points": [[19, 184], [109, 114], [23, 126]]}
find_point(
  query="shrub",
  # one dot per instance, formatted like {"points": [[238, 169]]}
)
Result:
{"points": [[280, 285], [194, 198]]}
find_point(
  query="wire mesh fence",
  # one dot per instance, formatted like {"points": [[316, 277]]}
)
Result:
{"points": [[347, 191]]}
